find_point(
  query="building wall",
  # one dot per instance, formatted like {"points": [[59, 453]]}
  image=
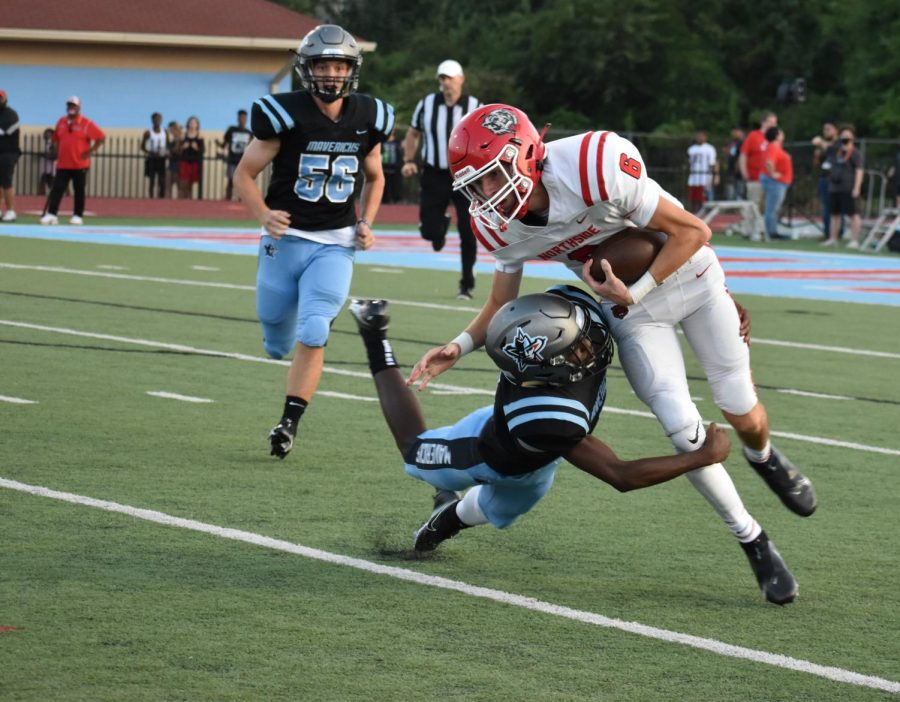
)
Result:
{"points": [[121, 85]]}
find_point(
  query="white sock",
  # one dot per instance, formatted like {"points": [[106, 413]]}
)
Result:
{"points": [[759, 456], [714, 483], [750, 532], [467, 509]]}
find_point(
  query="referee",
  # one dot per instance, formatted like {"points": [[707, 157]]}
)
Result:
{"points": [[434, 117]]}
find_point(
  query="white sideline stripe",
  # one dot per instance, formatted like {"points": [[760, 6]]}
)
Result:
{"points": [[109, 267], [17, 400], [176, 396], [458, 389], [406, 303], [345, 396], [379, 269], [831, 673], [817, 395], [205, 268]]}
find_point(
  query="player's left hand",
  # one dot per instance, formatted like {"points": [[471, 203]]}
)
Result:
{"points": [[365, 239], [744, 317], [612, 289]]}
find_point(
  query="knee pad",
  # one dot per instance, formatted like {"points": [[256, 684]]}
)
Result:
{"points": [[733, 391], [314, 331], [690, 438], [275, 349]]}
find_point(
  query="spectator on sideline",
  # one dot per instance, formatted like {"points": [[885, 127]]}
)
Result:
{"points": [[190, 166], [435, 117], [703, 175], [776, 178], [391, 163], [77, 138], [735, 186], [175, 135], [9, 154], [47, 164], [822, 144], [844, 187], [155, 143], [894, 176], [234, 142], [752, 158]]}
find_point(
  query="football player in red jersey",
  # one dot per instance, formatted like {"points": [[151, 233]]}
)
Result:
{"points": [[533, 200], [319, 140]]}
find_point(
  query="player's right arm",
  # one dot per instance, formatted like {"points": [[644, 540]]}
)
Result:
{"points": [[504, 287], [596, 458], [258, 155], [410, 145]]}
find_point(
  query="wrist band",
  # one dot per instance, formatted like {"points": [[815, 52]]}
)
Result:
{"points": [[364, 221], [465, 343], [641, 287]]}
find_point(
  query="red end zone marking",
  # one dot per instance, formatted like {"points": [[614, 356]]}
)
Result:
{"points": [[896, 291], [886, 275]]}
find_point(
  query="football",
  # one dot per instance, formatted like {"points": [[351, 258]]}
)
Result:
{"points": [[630, 253]]}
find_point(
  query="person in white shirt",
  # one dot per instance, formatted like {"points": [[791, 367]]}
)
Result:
{"points": [[703, 172], [556, 202]]}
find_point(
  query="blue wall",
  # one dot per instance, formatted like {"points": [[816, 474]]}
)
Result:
{"points": [[127, 97]]}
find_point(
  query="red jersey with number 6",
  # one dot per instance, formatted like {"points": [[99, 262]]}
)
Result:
{"points": [[597, 185]]}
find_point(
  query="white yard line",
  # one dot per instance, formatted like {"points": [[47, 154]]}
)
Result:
{"points": [[410, 303], [17, 400], [817, 395], [721, 648], [109, 267], [457, 389], [205, 268], [176, 396]]}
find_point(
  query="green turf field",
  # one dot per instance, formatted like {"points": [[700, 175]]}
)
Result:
{"points": [[105, 606]]}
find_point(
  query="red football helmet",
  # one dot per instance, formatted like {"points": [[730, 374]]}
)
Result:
{"points": [[500, 142]]}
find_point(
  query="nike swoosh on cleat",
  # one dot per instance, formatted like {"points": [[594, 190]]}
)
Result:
{"points": [[700, 274]]}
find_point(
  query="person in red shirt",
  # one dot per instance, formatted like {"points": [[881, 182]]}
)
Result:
{"points": [[776, 178], [77, 139], [752, 158]]}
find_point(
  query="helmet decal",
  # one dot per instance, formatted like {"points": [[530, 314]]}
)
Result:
{"points": [[500, 121], [525, 350]]}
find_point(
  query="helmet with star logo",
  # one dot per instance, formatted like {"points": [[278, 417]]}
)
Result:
{"points": [[548, 339]]}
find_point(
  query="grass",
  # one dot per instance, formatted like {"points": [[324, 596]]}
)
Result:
{"points": [[107, 607]]}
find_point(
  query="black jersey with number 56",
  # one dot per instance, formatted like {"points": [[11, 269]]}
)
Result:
{"points": [[316, 170]]}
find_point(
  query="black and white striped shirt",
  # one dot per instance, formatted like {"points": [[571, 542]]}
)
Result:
{"points": [[435, 121]]}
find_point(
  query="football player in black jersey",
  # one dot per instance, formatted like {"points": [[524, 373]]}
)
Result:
{"points": [[553, 350], [318, 140]]}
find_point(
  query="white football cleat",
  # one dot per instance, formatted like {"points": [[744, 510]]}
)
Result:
{"points": [[76, 220], [9, 216], [49, 219]]}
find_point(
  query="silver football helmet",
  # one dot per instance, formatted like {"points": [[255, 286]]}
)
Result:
{"points": [[533, 339], [328, 41]]}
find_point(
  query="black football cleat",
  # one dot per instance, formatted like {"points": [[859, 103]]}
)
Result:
{"points": [[443, 524], [282, 437], [370, 315], [442, 497], [795, 489], [777, 583]]}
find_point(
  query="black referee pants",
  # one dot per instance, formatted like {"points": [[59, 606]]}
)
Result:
{"points": [[436, 194]]}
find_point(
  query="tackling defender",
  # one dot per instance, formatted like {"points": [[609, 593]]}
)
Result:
{"points": [[318, 140], [553, 350], [557, 201]]}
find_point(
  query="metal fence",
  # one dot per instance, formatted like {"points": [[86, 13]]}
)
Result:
{"points": [[117, 170]]}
